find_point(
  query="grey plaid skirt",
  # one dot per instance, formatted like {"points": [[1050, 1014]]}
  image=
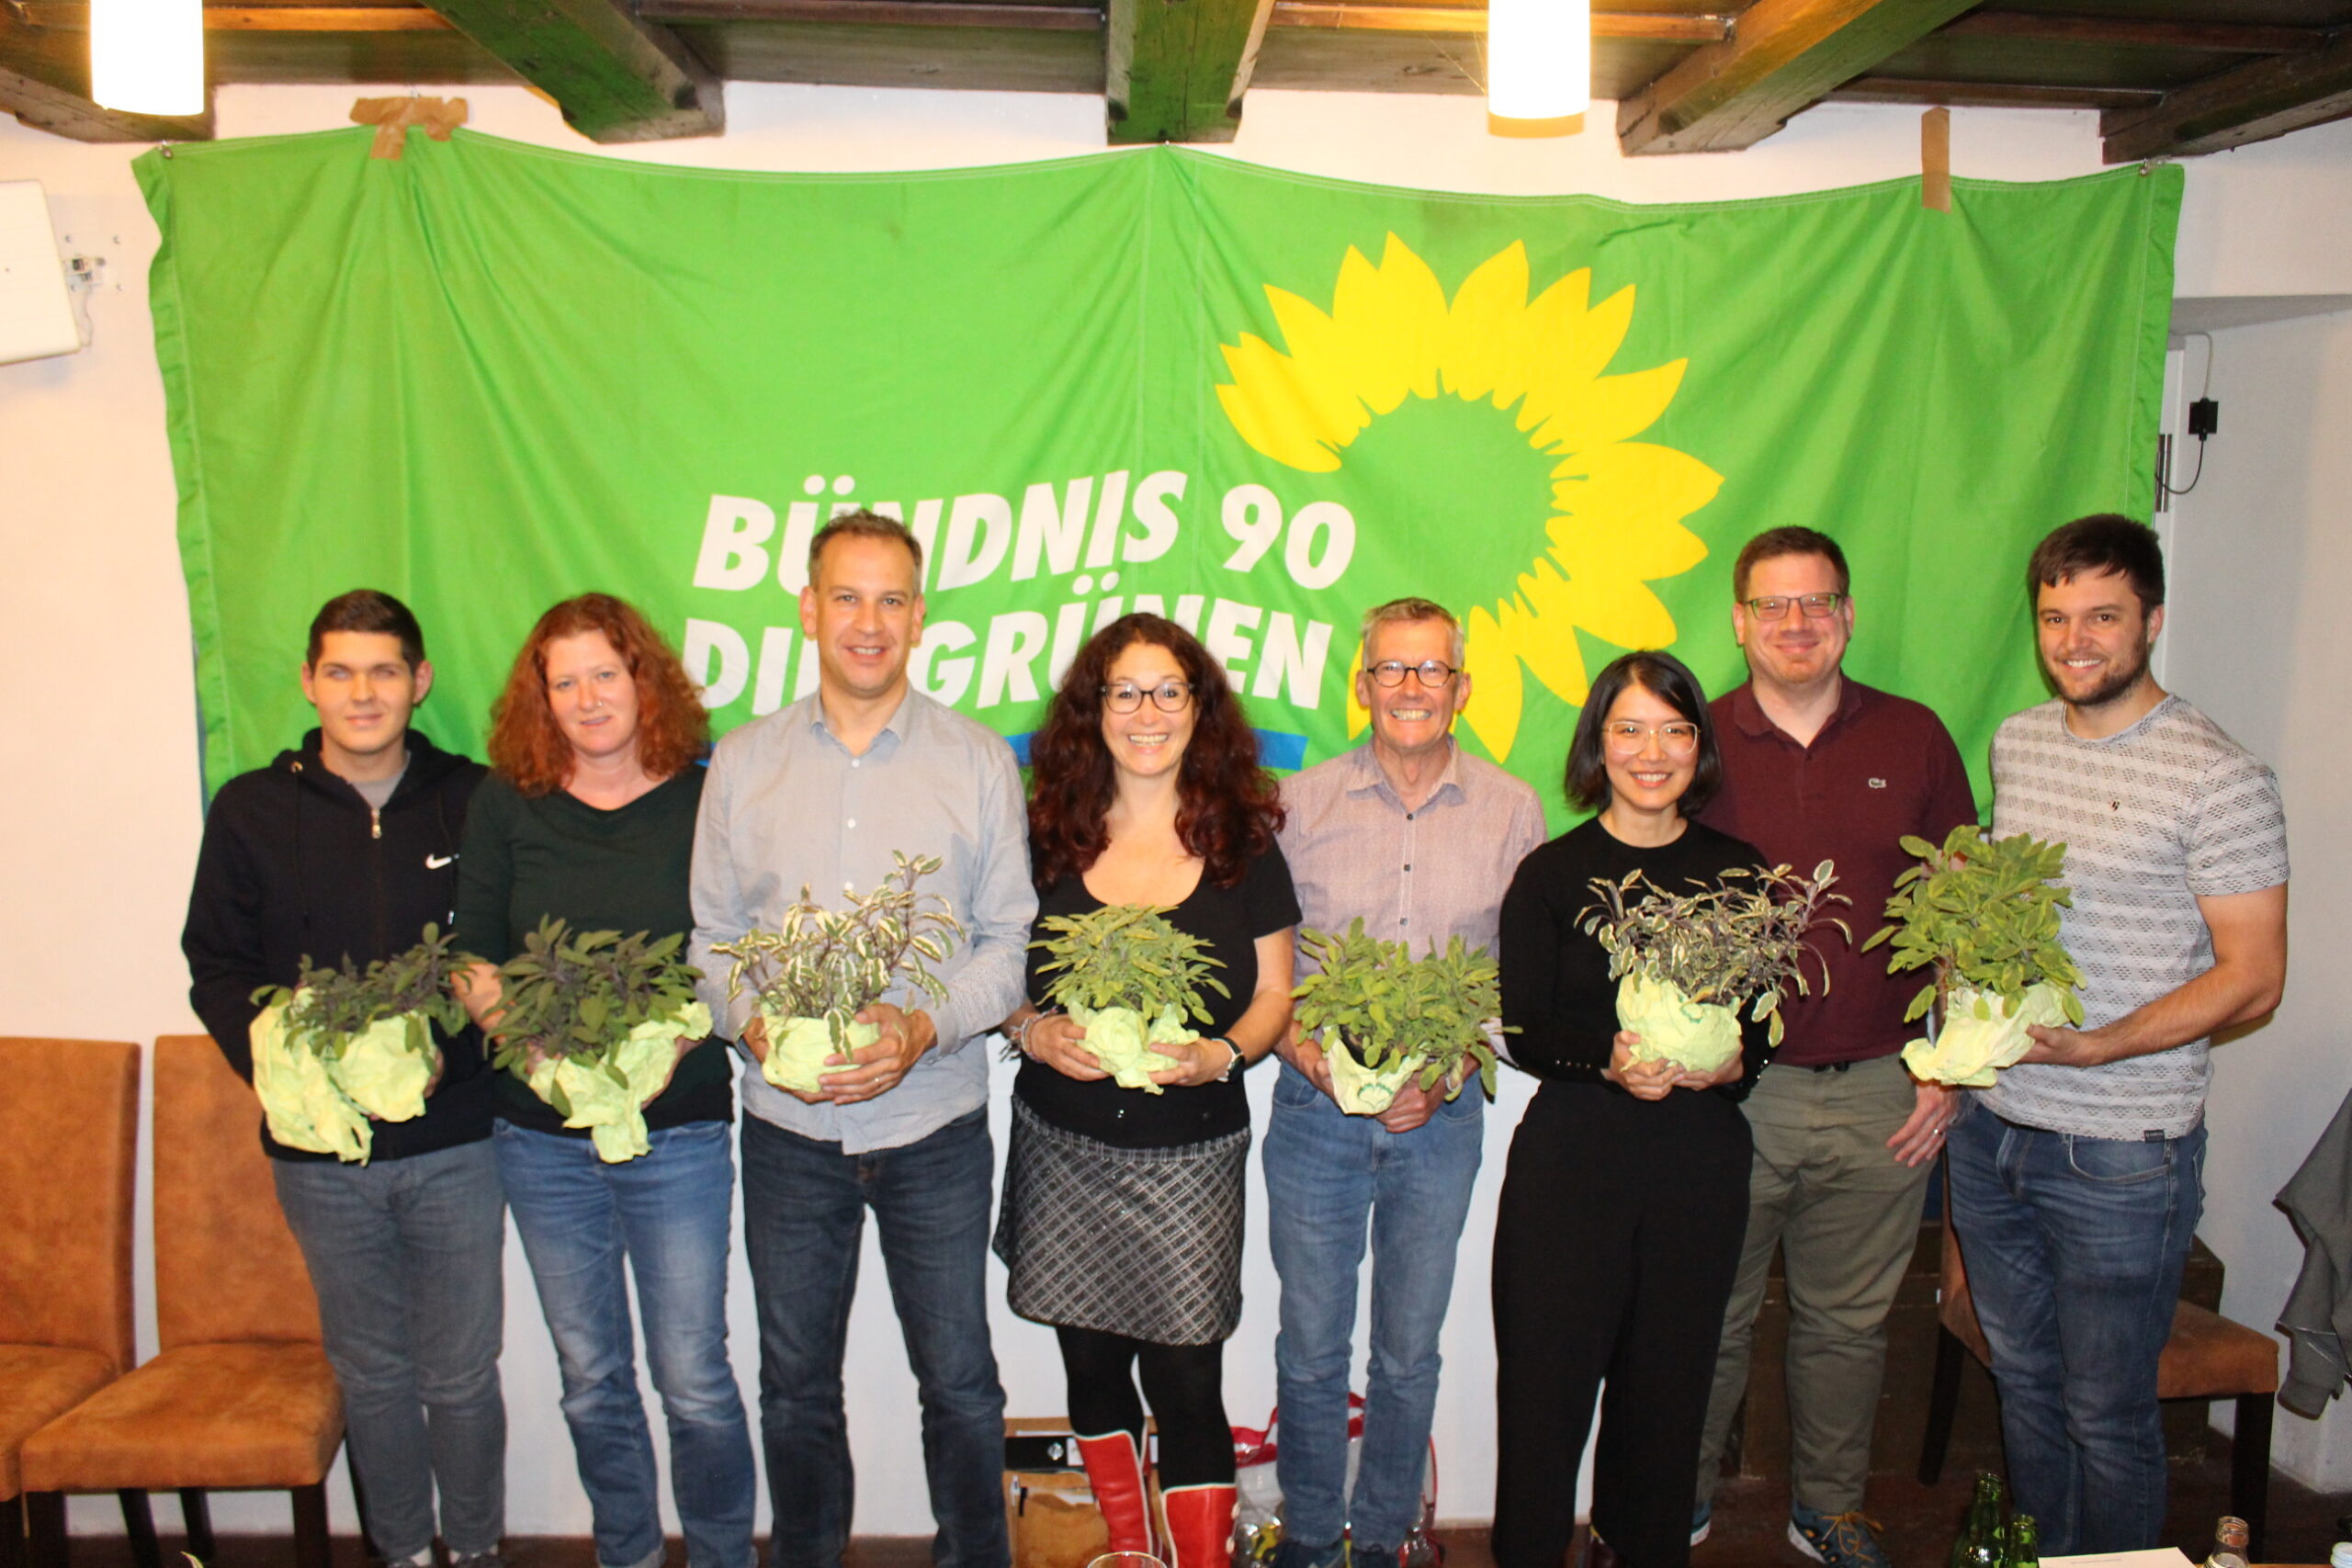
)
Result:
{"points": [[1145, 1243]]}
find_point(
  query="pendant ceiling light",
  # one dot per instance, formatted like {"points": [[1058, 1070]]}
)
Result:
{"points": [[1538, 66], [147, 56]]}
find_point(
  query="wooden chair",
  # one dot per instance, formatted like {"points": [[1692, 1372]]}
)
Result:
{"points": [[2208, 1356], [69, 1147], [240, 1397]]}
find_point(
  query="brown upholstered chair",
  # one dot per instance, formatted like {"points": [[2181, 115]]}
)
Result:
{"points": [[2208, 1356], [240, 1397], [69, 1147]]}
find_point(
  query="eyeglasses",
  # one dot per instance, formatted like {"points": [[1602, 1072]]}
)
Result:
{"points": [[1429, 671], [1168, 696], [1817, 606], [1677, 740]]}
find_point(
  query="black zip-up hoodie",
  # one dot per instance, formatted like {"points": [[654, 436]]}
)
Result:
{"points": [[296, 864]]}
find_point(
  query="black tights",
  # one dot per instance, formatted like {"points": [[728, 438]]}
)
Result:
{"points": [[1185, 1384]]}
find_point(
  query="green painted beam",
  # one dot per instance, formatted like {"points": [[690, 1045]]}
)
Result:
{"points": [[614, 77], [1175, 70]]}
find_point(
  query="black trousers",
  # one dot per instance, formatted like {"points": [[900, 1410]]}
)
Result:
{"points": [[1616, 1240]]}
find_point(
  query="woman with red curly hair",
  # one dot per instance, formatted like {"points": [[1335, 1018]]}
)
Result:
{"points": [[1122, 1217], [596, 750]]}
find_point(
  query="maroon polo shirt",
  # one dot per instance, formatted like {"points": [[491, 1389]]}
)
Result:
{"points": [[1882, 767]]}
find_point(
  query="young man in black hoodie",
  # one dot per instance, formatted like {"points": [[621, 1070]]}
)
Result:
{"points": [[348, 847]]}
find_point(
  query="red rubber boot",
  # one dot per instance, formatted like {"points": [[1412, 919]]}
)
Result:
{"points": [[1200, 1525], [1115, 1472]]}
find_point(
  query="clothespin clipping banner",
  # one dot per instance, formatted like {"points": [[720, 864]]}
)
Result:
{"points": [[393, 117], [1935, 158]]}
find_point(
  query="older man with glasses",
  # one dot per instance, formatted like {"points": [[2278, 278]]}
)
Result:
{"points": [[1420, 840], [1818, 766]]}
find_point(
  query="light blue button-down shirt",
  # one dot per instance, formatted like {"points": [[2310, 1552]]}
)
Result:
{"points": [[787, 804]]}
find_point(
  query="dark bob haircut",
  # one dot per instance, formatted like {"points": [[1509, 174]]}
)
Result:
{"points": [[1227, 810], [2103, 542], [1668, 679]]}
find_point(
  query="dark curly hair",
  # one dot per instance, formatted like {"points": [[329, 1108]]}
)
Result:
{"points": [[1228, 809]]}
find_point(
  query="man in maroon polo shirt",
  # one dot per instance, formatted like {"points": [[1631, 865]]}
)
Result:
{"points": [[1818, 766]]}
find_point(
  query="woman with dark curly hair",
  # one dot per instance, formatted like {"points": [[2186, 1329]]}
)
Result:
{"points": [[589, 814], [1122, 1219]]}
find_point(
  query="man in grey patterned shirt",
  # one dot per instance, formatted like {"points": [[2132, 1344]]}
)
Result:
{"points": [[1420, 840], [2075, 1186]]}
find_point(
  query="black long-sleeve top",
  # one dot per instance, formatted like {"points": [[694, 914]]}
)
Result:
{"points": [[1556, 981]]}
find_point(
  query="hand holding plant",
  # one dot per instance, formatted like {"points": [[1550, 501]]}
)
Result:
{"points": [[1686, 963], [593, 1021], [1981, 915], [1384, 1018], [343, 1047], [1131, 980], [821, 968]]}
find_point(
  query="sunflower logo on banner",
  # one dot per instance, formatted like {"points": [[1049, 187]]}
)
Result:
{"points": [[1481, 418]]}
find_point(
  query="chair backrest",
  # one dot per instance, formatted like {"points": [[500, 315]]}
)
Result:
{"points": [[69, 1148], [226, 1265]]}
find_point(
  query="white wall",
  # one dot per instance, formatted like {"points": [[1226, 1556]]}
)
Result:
{"points": [[98, 760], [2261, 573]]}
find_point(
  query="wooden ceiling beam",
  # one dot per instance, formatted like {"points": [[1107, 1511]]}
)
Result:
{"points": [[45, 82], [883, 13], [1783, 56], [1990, 94], [1355, 15], [2252, 103], [2124, 32], [616, 77], [1176, 70], [74, 16]]}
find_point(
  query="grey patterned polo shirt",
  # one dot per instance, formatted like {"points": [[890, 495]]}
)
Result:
{"points": [[2152, 818]]}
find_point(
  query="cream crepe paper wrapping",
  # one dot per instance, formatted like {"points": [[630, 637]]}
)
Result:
{"points": [[1367, 1092], [323, 1107], [1981, 1035], [614, 1115], [797, 1048], [1698, 1037], [1121, 1040]]}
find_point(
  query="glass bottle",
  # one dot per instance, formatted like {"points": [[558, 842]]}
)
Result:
{"points": [[2229, 1543], [2025, 1543], [1980, 1545]]}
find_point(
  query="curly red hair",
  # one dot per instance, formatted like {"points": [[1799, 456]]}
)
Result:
{"points": [[1228, 809], [672, 728]]}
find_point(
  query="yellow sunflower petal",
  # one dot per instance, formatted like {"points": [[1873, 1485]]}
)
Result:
{"points": [[1271, 411], [1619, 610], [1622, 506], [1390, 321], [1572, 344], [1613, 408], [1491, 657], [1486, 350], [1549, 642]]}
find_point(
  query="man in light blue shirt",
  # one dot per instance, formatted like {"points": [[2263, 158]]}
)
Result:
{"points": [[820, 795]]}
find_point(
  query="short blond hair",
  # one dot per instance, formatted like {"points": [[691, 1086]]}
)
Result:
{"points": [[1403, 610]]}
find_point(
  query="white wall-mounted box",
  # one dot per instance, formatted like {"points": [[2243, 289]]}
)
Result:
{"points": [[36, 316]]}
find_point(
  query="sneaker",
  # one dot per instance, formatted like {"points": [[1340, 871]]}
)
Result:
{"points": [[1839, 1540], [489, 1559], [1703, 1520]]}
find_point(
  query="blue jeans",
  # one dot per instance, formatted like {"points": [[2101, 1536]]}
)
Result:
{"points": [[2075, 1248], [662, 1217], [1330, 1178], [405, 1258], [804, 1212]]}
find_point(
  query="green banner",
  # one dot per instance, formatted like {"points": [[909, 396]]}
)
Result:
{"points": [[487, 375]]}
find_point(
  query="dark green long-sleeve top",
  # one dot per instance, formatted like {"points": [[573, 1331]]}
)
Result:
{"points": [[624, 870]]}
